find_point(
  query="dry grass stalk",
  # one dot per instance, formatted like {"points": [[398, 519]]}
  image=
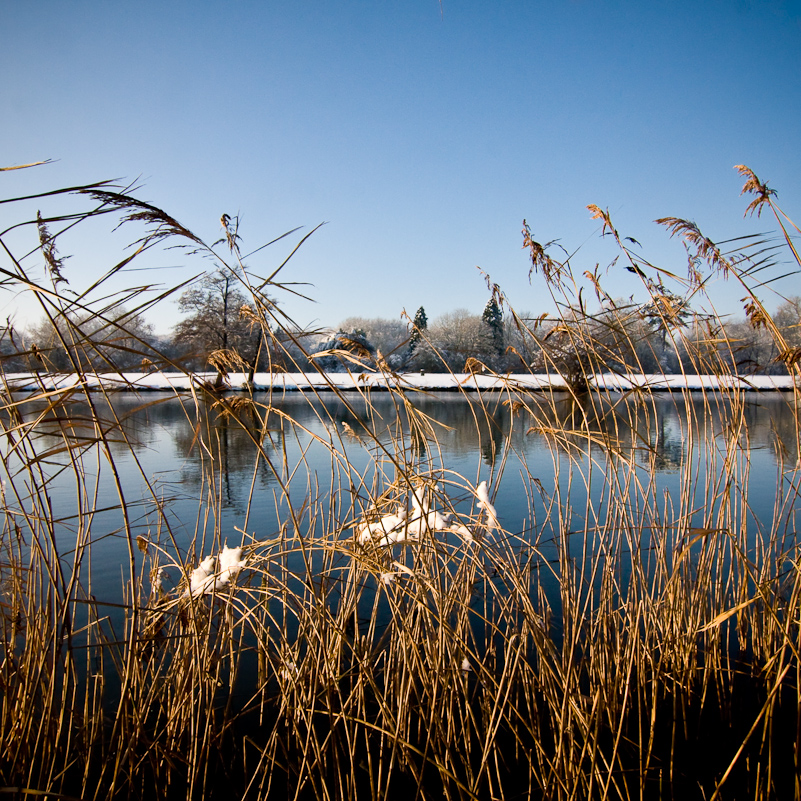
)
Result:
{"points": [[576, 655]]}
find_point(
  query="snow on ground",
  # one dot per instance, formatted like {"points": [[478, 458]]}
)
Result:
{"points": [[359, 381]]}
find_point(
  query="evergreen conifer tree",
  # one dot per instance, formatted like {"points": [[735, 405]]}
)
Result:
{"points": [[493, 317], [419, 324]]}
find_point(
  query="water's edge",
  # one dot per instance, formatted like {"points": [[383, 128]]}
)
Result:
{"points": [[441, 382]]}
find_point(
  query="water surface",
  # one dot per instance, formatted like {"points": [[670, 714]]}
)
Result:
{"points": [[191, 483]]}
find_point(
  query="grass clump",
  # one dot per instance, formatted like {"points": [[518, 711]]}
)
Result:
{"points": [[385, 628]]}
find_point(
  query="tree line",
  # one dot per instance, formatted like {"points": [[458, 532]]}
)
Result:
{"points": [[220, 331]]}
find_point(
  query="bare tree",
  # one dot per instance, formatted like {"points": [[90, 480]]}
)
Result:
{"points": [[666, 314], [452, 339], [749, 350], [345, 350], [788, 319], [218, 322], [114, 340], [578, 344]]}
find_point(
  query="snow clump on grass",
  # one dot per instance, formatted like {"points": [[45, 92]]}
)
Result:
{"points": [[403, 526], [215, 572], [482, 495], [231, 564]]}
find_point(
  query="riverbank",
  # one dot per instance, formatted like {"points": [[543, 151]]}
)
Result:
{"points": [[293, 382]]}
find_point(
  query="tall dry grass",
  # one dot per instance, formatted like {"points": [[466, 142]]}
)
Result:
{"points": [[620, 643]]}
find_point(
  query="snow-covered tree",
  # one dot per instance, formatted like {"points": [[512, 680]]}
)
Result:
{"points": [[345, 350], [454, 338], [748, 350], [419, 324], [13, 354], [666, 314], [109, 340], [493, 319], [577, 344], [388, 336], [788, 319]]}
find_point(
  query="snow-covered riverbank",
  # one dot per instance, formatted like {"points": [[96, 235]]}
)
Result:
{"points": [[361, 381]]}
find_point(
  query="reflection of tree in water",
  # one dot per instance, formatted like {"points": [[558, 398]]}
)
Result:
{"points": [[222, 448], [654, 428], [425, 428], [497, 423], [605, 424], [461, 425], [667, 446], [418, 444], [650, 430], [592, 424], [474, 425], [81, 425], [771, 421]]}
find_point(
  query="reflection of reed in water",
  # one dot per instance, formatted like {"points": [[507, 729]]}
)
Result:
{"points": [[418, 444]]}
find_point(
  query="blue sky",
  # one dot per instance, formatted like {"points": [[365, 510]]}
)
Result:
{"points": [[422, 136]]}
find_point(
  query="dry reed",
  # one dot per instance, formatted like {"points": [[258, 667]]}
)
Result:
{"points": [[623, 644]]}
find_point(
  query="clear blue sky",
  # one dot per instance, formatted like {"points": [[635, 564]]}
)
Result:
{"points": [[422, 136]]}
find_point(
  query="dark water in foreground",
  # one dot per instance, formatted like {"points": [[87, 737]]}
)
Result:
{"points": [[558, 473]]}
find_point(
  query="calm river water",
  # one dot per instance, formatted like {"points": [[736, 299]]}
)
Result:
{"points": [[523, 457]]}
